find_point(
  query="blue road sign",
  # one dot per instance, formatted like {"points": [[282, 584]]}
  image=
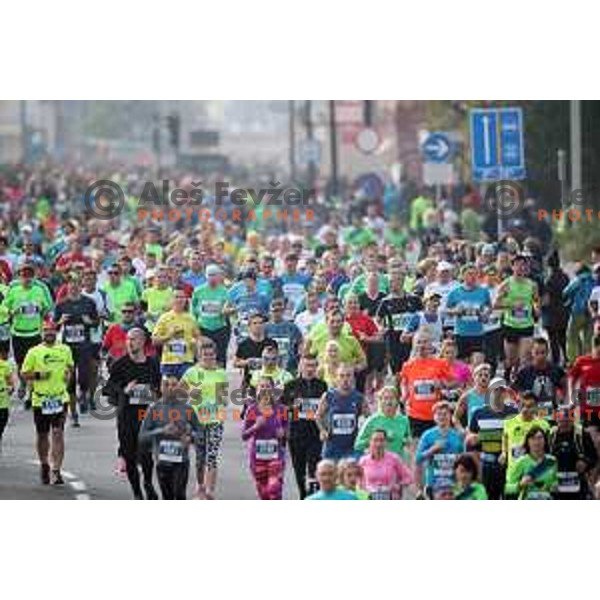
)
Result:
{"points": [[437, 147], [370, 185], [497, 150]]}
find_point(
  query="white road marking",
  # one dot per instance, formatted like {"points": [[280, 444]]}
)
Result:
{"points": [[78, 485]]}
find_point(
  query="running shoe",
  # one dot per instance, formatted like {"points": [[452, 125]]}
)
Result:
{"points": [[45, 474]]}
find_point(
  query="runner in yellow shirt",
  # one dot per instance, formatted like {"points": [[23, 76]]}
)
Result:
{"points": [[48, 367], [177, 332]]}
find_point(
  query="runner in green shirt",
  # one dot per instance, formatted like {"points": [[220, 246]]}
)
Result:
{"points": [[119, 291], [207, 385], [465, 472], [516, 429], [208, 302], [6, 385], [48, 367], [158, 298], [387, 418], [518, 298], [534, 475]]}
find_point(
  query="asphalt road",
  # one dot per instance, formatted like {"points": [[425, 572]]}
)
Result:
{"points": [[90, 455]]}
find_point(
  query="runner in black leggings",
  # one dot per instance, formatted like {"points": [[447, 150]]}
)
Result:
{"points": [[134, 382]]}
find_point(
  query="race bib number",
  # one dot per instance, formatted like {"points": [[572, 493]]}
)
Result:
{"points": [[242, 327], [381, 493], [442, 469], [170, 451], [308, 406], [266, 449], [254, 363], [30, 309], [284, 346], [546, 409], [4, 332], [211, 308], [401, 321], [593, 396], [177, 348], [343, 424], [520, 313], [52, 406], [471, 313], [74, 334], [424, 390], [517, 451], [140, 394], [539, 495], [568, 482]]}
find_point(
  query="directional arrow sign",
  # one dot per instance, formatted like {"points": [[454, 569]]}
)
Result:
{"points": [[497, 149], [436, 148]]}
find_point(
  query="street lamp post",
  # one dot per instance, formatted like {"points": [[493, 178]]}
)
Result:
{"points": [[333, 149]]}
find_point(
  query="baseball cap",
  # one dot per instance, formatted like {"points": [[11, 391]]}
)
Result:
{"points": [[488, 249], [49, 325], [499, 383], [213, 270], [444, 266]]}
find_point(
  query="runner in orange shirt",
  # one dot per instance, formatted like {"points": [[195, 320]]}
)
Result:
{"points": [[422, 379]]}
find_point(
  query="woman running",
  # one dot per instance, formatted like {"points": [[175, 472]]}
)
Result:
{"points": [[384, 474], [467, 487], [533, 476], [265, 428]]}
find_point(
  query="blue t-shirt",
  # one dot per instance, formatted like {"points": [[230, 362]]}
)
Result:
{"points": [[288, 338], [194, 279], [440, 467], [473, 301], [337, 494], [293, 288]]}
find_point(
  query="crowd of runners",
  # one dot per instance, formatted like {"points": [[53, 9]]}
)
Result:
{"points": [[413, 356]]}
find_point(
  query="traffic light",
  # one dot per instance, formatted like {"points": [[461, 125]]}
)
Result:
{"points": [[174, 126]]}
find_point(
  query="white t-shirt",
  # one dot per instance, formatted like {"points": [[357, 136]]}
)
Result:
{"points": [[305, 320]]}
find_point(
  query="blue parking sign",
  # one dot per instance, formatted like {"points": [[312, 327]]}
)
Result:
{"points": [[497, 149]]}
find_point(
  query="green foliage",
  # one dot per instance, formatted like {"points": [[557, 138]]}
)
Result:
{"points": [[576, 240]]}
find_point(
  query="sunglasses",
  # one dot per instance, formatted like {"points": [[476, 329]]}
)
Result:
{"points": [[127, 311]]}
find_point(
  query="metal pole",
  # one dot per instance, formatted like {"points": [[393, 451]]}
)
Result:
{"points": [[333, 149], [576, 179], [310, 136], [562, 177], [24, 131], [59, 130], [292, 128]]}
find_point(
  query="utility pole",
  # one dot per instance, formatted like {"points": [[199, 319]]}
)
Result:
{"points": [[333, 149], [24, 131], [310, 136], [292, 138], [576, 178], [59, 130]]}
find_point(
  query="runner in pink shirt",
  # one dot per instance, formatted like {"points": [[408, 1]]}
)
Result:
{"points": [[384, 474]]}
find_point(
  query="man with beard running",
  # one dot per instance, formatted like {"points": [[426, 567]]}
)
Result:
{"points": [[133, 384]]}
